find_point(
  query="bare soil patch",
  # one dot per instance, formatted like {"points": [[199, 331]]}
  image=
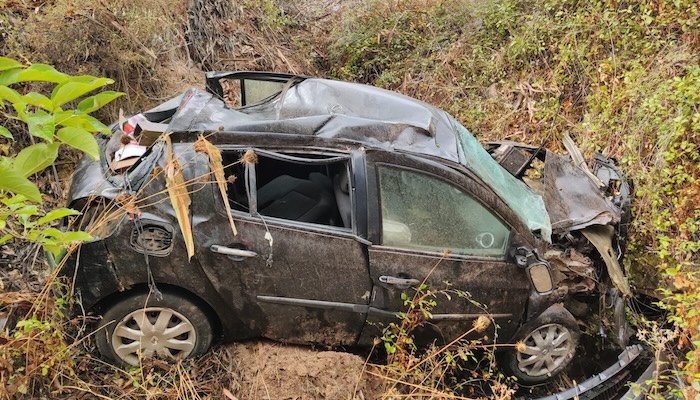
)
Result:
{"points": [[277, 371]]}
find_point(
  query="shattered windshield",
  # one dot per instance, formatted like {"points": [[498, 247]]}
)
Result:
{"points": [[528, 205]]}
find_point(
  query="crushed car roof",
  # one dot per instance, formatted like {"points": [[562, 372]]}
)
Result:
{"points": [[359, 113]]}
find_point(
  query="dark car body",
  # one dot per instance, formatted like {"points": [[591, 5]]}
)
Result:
{"points": [[402, 203]]}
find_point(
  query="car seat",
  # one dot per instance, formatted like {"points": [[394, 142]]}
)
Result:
{"points": [[305, 200]]}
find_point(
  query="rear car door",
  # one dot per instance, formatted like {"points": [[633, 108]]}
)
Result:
{"points": [[296, 271], [431, 224]]}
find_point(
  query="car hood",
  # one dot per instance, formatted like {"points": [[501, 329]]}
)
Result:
{"points": [[575, 195], [574, 200]]}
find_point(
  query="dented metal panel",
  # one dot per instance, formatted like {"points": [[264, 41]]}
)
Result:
{"points": [[572, 199]]}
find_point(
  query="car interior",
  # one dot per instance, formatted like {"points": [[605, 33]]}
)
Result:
{"points": [[315, 191]]}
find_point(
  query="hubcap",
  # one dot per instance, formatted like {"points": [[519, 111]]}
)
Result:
{"points": [[546, 349], [153, 331]]}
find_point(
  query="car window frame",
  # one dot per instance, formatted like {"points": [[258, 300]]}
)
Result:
{"points": [[455, 174], [355, 231]]}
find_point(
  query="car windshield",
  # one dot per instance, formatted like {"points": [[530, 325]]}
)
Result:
{"points": [[528, 205]]}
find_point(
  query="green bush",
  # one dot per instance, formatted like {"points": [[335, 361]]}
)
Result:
{"points": [[51, 120], [54, 108]]}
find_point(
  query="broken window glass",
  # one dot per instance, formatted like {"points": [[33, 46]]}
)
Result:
{"points": [[527, 204]]}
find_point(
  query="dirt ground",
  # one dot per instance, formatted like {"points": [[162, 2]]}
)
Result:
{"points": [[288, 372]]}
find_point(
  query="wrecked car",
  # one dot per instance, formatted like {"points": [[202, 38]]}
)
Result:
{"points": [[301, 209]]}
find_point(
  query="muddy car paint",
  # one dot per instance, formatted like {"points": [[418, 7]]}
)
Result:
{"points": [[293, 290], [247, 294]]}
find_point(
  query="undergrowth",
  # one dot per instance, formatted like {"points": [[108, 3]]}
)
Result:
{"points": [[463, 368]]}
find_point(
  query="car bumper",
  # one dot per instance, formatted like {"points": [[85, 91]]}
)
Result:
{"points": [[612, 382]]}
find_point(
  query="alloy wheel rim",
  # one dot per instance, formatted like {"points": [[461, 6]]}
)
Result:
{"points": [[545, 350], [153, 331]]}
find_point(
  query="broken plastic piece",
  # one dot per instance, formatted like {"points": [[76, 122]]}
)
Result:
{"points": [[127, 155], [601, 237]]}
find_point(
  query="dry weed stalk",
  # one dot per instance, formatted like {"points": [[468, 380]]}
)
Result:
{"points": [[435, 373], [202, 145]]}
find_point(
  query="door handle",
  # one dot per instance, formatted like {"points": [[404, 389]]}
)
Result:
{"points": [[398, 282], [216, 248]]}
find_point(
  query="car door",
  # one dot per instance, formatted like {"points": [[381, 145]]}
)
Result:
{"points": [[285, 279], [432, 225]]}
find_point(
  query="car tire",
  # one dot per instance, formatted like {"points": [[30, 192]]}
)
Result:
{"points": [[544, 347], [141, 325]]}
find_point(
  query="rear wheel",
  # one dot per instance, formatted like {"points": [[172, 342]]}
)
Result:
{"points": [[141, 326]]}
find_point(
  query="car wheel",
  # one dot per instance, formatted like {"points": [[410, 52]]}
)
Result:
{"points": [[545, 349], [140, 325]]}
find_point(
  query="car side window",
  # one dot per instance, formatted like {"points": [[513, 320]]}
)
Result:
{"points": [[306, 188], [423, 212]]}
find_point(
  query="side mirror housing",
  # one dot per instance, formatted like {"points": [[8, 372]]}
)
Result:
{"points": [[540, 277]]}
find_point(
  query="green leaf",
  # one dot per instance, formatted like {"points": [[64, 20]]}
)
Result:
{"points": [[39, 100], [90, 79], [14, 201], [5, 238], [8, 63], [50, 232], [9, 76], [35, 158], [41, 125], [73, 89], [41, 73], [54, 249], [21, 109], [80, 139], [27, 210], [4, 132], [76, 236], [56, 214], [79, 120], [10, 95], [98, 101], [12, 181]]}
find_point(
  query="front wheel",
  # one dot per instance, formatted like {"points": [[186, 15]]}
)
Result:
{"points": [[141, 326], [546, 348]]}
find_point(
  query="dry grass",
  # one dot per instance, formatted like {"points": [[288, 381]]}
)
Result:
{"points": [[140, 44]]}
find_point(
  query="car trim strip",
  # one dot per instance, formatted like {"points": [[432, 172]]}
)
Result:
{"points": [[331, 305], [364, 308]]}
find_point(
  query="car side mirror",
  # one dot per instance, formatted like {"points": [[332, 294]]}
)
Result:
{"points": [[540, 277]]}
